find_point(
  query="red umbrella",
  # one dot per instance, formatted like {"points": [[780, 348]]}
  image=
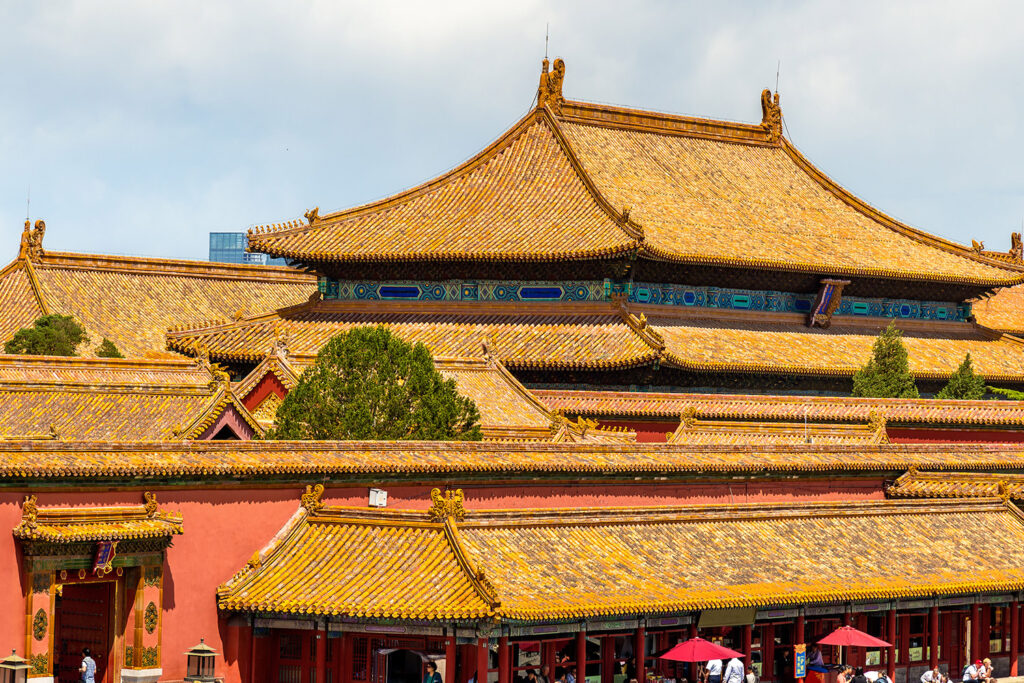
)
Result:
{"points": [[699, 650], [848, 636]]}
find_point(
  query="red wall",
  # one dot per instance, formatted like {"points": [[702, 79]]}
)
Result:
{"points": [[224, 527], [646, 432], [907, 435], [270, 384]]}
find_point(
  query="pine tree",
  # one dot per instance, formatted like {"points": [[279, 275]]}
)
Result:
{"points": [[964, 384], [1007, 394], [50, 335], [887, 374], [106, 349], [369, 384]]}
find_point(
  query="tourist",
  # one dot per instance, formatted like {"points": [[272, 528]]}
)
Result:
{"points": [[545, 670], [859, 676], [714, 671], [931, 676], [752, 676], [985, 673], [844, 674], [88, 667], [531, 676], [733, 671], [884, 677], [814, 656], [571, 677], [971, 672], [432, 676]]}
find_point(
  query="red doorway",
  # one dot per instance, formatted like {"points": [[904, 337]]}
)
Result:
{"points": [[83, 619]]}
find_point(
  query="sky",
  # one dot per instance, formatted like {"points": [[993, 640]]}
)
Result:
{"points": [[140, 127]]}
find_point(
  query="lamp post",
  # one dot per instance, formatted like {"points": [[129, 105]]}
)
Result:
{"points": [[13, 669], [199, 665]]}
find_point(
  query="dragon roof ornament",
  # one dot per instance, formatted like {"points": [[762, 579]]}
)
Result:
{"points": [[771, 115], [549, 92]]}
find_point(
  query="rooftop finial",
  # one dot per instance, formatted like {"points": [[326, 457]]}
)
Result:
{"points": [[771, 115], [32, 240], [549, 92]]}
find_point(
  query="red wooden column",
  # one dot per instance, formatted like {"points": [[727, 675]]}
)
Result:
{"points": [[607, 659], [660, 645], [482, 659], [768, 652], [799, 634], [581, 656], [890, 631], [321, 652], [975, 632], [747, 628], [449, 660], [933, 637], [691, 668], [504, 661], [1014, 636], [346, 657], [639, 646]]}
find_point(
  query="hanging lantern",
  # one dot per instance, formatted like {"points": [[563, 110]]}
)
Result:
{"points": [[200, 663], [13, 669]]}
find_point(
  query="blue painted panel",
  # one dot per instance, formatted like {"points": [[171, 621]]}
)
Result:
{"points": [[540, 293], [397, 292]]}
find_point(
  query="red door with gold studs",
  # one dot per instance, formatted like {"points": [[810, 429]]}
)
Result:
{"points": [[83, 620]]}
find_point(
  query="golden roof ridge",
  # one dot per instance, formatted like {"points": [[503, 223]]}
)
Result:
{"points": [[151, 265], [257, 237], [888, 221]]}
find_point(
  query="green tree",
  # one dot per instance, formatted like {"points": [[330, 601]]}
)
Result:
{"points": [[50, 335], [1008, 394], [369, 384], [106, 349], [964, 383], [887, 374]]}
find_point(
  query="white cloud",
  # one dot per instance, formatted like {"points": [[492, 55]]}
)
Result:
{"points": [[143, 126]]}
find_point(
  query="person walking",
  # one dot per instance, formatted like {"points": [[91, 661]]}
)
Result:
{"points": [[545, 671], [88, 667], [733, 671], [714, 671]]}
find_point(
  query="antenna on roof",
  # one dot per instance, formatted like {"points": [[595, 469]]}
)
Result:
{"points": [[28, 203], [547, 32], [778, 68]]}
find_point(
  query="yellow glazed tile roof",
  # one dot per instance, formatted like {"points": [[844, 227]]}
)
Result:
{"points": [[603, 336], [782, 344], [578, 180], [112, 523], [626, 561], [109, 399], [697, 432], [18, 302], [1004, 311], [793, 408], [132, 301], [47, 460], [915, 484], [705, 200], [345, 563], [521, 199], [592, 336]]}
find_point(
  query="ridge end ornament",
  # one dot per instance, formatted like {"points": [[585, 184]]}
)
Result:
{"points": [[771, 115], [313, 215], [549, 92], [447, 505], [312, 498], [150, 504]]}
